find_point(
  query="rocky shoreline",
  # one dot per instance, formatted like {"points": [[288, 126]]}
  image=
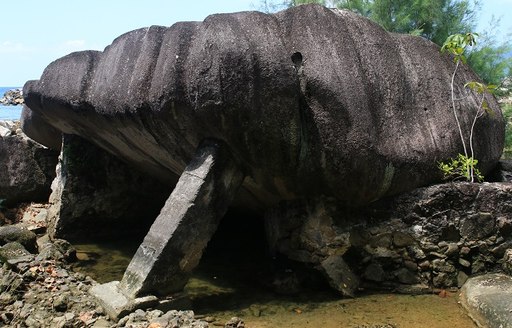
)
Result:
{"points": [[12, 97], [39, 289]]}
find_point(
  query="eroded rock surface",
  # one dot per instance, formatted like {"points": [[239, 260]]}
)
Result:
{"points": [[434, 237], [310, 100], [95, 195], [26, 167]]}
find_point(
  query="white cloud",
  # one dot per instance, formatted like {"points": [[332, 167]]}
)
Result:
{"points": [[9, 47]]}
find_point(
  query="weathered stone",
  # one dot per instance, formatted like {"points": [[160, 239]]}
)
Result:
{"points": [[12, 233], [340, 117], [478, 265], [488, 300], [374, 272], [429, 255], [27, 168], [464, 263], [36, 128], [97, 196], [60, 303], [477, 226], [339, 275], [507, 262], [12, 97], [452, 250], [462, 277], [443, 279], [177, 238], [116, 304], [401, 239], [58, 250], [13, 251], [407, 277], [416, 252], [464, 251], [505, 226], [235, 322], [442, 266]]}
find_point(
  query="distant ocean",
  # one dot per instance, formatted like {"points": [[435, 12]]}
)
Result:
{"points": [[9, 112]]}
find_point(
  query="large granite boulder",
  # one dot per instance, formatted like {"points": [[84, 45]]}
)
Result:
{"points": [[26, 167], [310, 100]]}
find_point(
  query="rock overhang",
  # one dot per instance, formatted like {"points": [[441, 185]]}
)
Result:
{"points": [[363, 113]]}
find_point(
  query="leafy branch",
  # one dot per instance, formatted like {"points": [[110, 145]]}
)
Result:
{"points": [[465, 164]]}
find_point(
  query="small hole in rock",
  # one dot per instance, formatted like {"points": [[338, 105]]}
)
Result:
{"points": [[297, 59]]}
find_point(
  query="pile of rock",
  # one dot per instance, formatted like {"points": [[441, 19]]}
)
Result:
{"points": [[12, 98], [434, 237], [37, 288]]}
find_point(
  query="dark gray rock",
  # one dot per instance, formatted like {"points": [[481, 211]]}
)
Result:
{"points": [[339, 275], [477, 226], [357, 114], [36, 128], [26, 167], [419, 252], [16, 234], [488, 300], [95, 195], [13, 251]]}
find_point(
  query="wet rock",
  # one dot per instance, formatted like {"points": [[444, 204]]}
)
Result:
{"points": [[488, 300]]}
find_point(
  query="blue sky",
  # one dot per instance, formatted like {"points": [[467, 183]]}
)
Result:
{"points": [[36, 32]]}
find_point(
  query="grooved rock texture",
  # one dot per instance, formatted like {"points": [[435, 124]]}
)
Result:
{"points": [[310, 101]]}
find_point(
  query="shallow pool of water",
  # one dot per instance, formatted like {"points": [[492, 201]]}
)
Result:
{"points": [[221, 290]]}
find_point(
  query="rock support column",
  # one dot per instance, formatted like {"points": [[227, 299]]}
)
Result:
{"points": [[189, 218]]}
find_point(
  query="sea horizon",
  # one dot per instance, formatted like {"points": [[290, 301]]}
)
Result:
{"points": [[9, 113]]}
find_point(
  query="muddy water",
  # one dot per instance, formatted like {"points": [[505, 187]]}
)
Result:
{"points": [[222, 291]]}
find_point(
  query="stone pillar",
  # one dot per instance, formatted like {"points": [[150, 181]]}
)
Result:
{"points": [[189, 218]]}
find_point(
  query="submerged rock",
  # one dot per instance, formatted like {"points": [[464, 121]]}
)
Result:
{"points": [[356, 115]]}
